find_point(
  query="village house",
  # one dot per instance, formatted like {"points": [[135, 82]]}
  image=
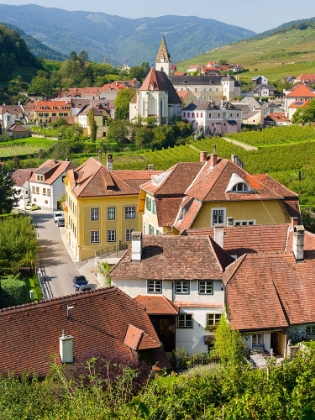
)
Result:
{"points": [[208, 88], [264, 91], [297, 97], [103, 322], [21, 179], [100, 207], [209, 119], [101, 113], [10, 115], [213, 190], [46, 183], [46, 111]]}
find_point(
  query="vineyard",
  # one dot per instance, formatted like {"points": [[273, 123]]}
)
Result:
{"points": [[274, 136], [24, 147]]}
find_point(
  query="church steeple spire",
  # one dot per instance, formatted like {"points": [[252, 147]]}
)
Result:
{"points": [[163, 58]]}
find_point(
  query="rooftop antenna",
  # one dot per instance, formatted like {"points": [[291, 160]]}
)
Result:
{"points": [[68, 309]]}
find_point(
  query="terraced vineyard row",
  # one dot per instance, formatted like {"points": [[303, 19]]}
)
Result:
{"points": [[24, 147], [275, 136]]}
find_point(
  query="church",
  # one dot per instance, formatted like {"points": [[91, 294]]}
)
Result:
{"points": [[157, 97]]}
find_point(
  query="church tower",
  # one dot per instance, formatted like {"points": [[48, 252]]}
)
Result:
{"points": [[163, 59]]}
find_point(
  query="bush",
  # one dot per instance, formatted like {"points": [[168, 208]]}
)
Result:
{"points": [[13, 292]]}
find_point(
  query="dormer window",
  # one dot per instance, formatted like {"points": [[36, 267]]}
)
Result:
{"points": [[240, 187], [237, 184]]}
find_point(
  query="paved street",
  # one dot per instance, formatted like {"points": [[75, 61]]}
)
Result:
{"points": [[57, 267]]}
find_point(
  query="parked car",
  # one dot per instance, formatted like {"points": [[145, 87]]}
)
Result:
{"points": [[31, 206], [58, 215], [61, 222], [86, 288], [79, 281]]}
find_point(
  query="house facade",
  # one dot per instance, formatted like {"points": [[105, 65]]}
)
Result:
{"points": [[46, 183], [21, 179], [185, 295], [46, 110], [11, 114], [297, 98], [214, 190], [209, 88], [211, 119], [100, 208]]}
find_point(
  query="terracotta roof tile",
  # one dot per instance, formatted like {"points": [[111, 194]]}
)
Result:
{"points": [[167, 209], [98, 321], [178, 257], [20, 176], [53, 169], [136, 178], [158, 80], [301, 91], [157, 305]]}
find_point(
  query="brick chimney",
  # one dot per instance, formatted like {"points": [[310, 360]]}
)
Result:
{"points": [[203, 157], [298, 243], [136, 246], [213, 160]]}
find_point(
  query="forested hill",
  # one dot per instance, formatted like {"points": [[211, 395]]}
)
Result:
{"points": [[121, 40], [37, 48], [15, 56]]}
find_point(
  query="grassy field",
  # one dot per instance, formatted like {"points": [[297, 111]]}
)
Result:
{"points": [[24, 147], [276, 56]]}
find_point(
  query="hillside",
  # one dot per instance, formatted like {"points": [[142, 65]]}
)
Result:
{"points": [[15, 58], [120, 40], [286, 50], [38, 49]]}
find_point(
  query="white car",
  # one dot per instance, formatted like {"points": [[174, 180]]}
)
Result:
{"points": [[58, 215]]}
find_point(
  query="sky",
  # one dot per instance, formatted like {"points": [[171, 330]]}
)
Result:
{"points": [[259, 16]]}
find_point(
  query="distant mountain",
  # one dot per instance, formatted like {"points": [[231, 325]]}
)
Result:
{"points": [[121, 40], [37, 48], [15, 58]]}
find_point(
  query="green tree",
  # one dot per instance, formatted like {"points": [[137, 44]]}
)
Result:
{"points": [[305, 114], [228, 345], [8, 195], [92, 125], [118, 131], [122, 101], [42, 85]]}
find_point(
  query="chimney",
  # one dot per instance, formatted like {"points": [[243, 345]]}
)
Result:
{"points": [[203, 157], [109, 162], [219, 234], [136, 246], [66, 348], [100, 156], [298, 243], [213, 160]]}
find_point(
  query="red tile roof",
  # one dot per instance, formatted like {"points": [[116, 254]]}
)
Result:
{"points": [[92, 179], [135, 178], [301, 91], [167, 209], [20, 176], [157, 305], [53, 169], [177, 257], [100, 320], [299, 104], [51, 106], [158, 80]]}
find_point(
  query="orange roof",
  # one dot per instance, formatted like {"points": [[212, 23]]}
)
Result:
{"points": [[305, 77], [52, 170], [301, 91], [298, 104], [51, 106], [157, 305]]}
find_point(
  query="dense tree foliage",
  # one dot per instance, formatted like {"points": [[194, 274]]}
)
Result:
{"points": [[8, 195], [122, 101], [305, 114]]}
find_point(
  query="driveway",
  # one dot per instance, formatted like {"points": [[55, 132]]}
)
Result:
{"points": [[57, 267]]}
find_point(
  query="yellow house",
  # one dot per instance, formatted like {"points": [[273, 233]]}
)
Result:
{"points": [[213, 191], [100, 208]]}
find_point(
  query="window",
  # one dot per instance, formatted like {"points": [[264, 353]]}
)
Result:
{"points": [[241, 186], [40, 178], [201, 114], [218, 216], [94, 213], [224, 124], [153, 207], [151, 230], [130, 212], [237, 114], [95, 236], [48, 192], [219, 115], [154, 286], [258, 340], [193, 115], [158, 232], [188, 114], [129, 234], [182, 287], [184, 114], [185, 321], [310, 330], [148, 203], [205, 287], [213, 319], [111, 235], [197, 114], [44, 191], [210, 115], [244, 222], [37, 190], [33, 189], [111, 213]]}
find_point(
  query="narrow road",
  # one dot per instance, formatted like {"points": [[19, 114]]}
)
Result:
{"points": [[240, 144], [57, 268]]}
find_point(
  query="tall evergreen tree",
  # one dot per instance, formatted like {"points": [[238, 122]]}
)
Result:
{"points": [[92, 125], [8, 195]]}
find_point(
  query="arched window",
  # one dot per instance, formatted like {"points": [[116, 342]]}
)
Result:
{"points": [[240, 187]]}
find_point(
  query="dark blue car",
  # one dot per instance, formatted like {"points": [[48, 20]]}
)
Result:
{"points": [[79, 281]]}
